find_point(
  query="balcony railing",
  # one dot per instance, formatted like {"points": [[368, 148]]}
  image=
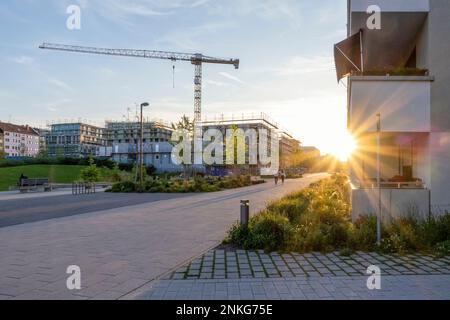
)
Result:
{"points": [[393, 185], [397, 72]]}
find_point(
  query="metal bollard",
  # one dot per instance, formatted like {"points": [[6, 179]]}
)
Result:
{"points": [[245, 212]]}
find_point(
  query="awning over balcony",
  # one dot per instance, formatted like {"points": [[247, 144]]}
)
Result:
{"points": [[347, 55]]}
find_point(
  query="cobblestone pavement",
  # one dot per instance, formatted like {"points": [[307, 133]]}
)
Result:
{"points": [[402, 287], [255, 275], [119, 250], [221, 264]]}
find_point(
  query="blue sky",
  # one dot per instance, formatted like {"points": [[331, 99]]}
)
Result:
{"points": [[285, 48]]}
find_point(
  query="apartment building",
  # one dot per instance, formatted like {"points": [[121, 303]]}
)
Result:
{"points": [[288, 147], [18, 141], [43, 133], [398, 105], [2, 146], [123, 143], [74, 140], [258, 122]]}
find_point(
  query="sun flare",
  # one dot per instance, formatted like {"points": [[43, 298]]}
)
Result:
{"points": [[343, 146]]}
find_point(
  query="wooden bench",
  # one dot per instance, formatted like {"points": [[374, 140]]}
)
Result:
{"points": [[35, 184]]}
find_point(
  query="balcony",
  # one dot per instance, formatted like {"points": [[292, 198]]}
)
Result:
{"points": [[395, 203], [404, 174], [403, 102]]}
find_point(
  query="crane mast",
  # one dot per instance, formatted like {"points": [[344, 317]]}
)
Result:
{"points": [[196, 59]]}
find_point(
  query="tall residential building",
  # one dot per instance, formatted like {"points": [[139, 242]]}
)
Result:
{"points": [[19, 141], [74, 140], [43, 133], [123, 143], [398, 85]]}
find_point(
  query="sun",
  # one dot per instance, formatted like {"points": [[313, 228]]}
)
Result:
{"points": [[344, 146]]}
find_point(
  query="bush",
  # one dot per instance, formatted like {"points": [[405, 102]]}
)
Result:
{"points": [[363, 235], [442, 249], [266, 231], [123, 187], [318, 219], [90, 173], [128, 167]]}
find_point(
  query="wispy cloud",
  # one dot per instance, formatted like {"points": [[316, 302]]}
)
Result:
{"points": [[303, 65], [123, 11], [217, 83], [231, 77], [23, 60], [60, 84], [193, 38]]}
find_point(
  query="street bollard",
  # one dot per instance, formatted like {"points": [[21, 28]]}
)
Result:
{"points": [[245, 212]]}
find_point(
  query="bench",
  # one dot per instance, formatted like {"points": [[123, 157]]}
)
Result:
{"points": [[35, 184]]}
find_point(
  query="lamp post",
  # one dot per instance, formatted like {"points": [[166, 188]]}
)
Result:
{"points": [[379, 178], [141, 151]]}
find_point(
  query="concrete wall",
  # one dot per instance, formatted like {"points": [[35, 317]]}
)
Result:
{"points": [[440, 170], [404, 104], [395, 203], [439, 63]]}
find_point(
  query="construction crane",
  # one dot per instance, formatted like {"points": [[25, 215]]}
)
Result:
{"points": [[197, 60]]}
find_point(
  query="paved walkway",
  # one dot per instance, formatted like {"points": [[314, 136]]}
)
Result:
{"points": [[248, 275], [432, 287], [120, 250]]}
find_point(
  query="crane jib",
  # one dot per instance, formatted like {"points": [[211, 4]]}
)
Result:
{"points": [[196, 59]]}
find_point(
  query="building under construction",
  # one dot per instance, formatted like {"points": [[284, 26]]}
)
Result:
{"points": [[123, 143], [257, 121]]}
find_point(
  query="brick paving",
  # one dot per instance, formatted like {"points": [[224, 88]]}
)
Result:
{"points": [[241, 264], [400, 287], [255, 275]]}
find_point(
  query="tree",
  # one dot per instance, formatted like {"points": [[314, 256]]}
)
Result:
{"points": [[185, 124], [2, 155], [90, 173]]}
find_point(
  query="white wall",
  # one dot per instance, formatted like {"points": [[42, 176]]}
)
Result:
{"points": [[404, 105], [395, 203]]}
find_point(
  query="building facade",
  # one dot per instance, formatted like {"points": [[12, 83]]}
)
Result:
{"points": [[257, 122], [74, 140], [2, 145], [288, 147], [399, 106], [19, 141], [123, 144]]}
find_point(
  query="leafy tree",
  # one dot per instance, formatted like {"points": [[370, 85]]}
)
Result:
{"points": [[185, 124], [2, 155], [115, 174], [91, 173]]}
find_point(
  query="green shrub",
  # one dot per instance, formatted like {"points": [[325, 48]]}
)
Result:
{"points": [[270, 232], [442, 249], [363, 234], [123, 187], [90, 173]]}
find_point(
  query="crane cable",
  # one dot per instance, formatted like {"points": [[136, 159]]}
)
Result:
{"points": [[173, 75]]}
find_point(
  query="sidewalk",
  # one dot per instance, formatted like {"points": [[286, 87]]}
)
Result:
{"points": [[435, 287], [248, 275]]}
